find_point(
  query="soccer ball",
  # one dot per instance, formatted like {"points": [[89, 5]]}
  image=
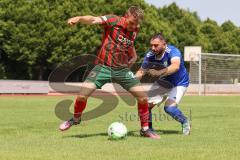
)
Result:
{"points": [[117, 130]]}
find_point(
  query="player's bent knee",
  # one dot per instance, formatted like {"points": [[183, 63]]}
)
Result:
{"points": [[167, 109], [170, 102], [81, 98], [142, 100], [170, 109]]}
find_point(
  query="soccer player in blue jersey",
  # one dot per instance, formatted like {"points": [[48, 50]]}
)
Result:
{"points": [[165, 62]]}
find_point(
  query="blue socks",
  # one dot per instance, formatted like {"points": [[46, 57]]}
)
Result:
{"points": [[150, 119], [175, 113]]}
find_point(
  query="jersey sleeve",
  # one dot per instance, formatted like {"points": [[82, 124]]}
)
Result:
{"points": [[109, 20], [175, 53]]}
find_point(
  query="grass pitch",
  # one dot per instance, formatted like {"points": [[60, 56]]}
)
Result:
{"points": [[29, 130]]}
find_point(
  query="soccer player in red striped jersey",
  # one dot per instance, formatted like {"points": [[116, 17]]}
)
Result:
{"points": [[118, 41], [116, 54]]}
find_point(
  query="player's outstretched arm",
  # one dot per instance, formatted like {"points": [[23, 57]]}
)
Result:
{"points": [[174, 67], [84, 20]]}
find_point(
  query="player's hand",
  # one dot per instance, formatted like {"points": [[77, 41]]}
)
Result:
{"points": [[73, 21], [155, 73]]}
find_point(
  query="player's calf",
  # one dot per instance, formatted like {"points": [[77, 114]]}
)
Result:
{"points": [[143, 110], [175, 113]]}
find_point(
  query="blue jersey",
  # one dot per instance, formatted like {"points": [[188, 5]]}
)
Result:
{"points": [[179, 78]]}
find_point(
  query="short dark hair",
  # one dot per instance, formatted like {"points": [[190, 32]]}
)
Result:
{"points": [[136, 11], [159, 36]]}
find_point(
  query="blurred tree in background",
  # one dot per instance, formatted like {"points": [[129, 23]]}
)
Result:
{"points": [[35, 38]]}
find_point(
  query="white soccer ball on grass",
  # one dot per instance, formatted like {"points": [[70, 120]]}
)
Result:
{"points": [[117, 130]]}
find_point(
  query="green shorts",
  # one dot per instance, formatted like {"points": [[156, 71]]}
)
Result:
{"points": [[102, 74]]}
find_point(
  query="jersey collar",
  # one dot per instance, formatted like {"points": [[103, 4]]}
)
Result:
{"points": [[162, 54]]}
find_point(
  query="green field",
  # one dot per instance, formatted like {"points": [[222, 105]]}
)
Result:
{"points": [[29, 130]]}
